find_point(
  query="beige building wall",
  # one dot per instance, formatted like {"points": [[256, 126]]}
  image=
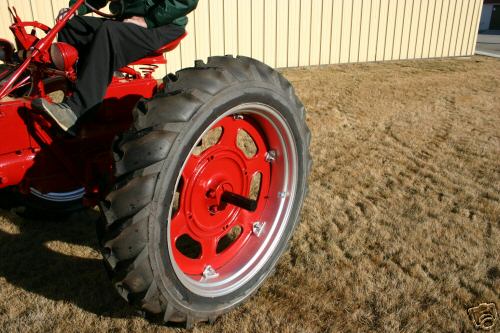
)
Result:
{"points": [[290, 33]]}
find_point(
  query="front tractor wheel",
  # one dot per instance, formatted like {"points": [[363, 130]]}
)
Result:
{"points": [[210, 183]]}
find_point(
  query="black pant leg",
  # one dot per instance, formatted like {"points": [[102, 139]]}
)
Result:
{"points": [[116, 44], [80, 31]]}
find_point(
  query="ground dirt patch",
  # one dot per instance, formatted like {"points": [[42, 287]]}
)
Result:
{"points": [[400, 231]]}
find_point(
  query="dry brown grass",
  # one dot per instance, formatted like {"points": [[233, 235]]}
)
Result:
{"points": [[400, 231]]}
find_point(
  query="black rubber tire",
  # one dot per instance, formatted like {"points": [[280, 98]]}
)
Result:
{"points": [[6, 199], [40, 209], [148, 160], [35, 208]]}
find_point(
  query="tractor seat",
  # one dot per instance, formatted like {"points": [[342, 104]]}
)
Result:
{"points": [[157, 56]]}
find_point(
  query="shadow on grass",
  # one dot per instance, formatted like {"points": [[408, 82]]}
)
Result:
{"points": [[40, 259]]}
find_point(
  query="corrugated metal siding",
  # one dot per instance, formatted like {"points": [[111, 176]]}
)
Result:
{"points": [[289, 33]]}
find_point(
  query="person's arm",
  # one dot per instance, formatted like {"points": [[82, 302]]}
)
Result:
{"points": [[97, 4], [163, 12]]}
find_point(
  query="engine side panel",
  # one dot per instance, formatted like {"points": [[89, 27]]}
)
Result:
{"points": [[16, 155], [14, 134]]}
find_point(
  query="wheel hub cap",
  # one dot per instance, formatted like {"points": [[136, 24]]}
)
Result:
{"points": [[216, 171]]}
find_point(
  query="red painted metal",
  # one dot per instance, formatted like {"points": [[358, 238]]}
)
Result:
{"points": [[13, 166], [157, 57], [16, 153], [14, 133], [33, 151], [61, 159], [201, 214], [36, 50], [64, 56]]}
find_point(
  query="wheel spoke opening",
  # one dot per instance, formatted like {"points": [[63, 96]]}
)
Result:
{"points": [[176, 201], [210, 139], [255, 186], [229, 239], [188, 247], [246, 144]]}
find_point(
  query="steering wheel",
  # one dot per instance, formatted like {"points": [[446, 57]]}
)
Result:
{"points": [[98, 12]]}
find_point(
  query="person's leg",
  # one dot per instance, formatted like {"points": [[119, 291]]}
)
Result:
{"points": [[80, 31], [116, 44]]}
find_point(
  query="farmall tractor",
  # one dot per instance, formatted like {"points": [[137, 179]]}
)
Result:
{"points": [[199, 178]]}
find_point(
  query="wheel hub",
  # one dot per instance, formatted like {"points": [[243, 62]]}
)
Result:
{"points": [[214, 198], [216, 171]]}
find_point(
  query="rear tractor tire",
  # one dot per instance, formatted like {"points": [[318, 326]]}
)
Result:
{"points": [[211, 179], [43, 206]]}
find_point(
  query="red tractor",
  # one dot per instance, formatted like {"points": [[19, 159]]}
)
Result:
{"points": [[199, 178]]}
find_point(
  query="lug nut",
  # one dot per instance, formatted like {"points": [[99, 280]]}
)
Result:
{"points": [[258, 228], [271, 156], [282, 195], [209, 273]]}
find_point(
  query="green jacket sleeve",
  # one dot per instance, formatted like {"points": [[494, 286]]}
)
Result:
{"points": [[164, 12], [98, 4]]}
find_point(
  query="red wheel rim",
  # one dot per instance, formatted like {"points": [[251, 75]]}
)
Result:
{"points": [[201, 215], [196, 211]]}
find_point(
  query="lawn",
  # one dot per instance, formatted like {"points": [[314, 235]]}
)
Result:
{"points": [[400, 230]]}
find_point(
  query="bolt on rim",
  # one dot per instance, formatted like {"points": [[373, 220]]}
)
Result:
{"points": [[200, 213]]}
